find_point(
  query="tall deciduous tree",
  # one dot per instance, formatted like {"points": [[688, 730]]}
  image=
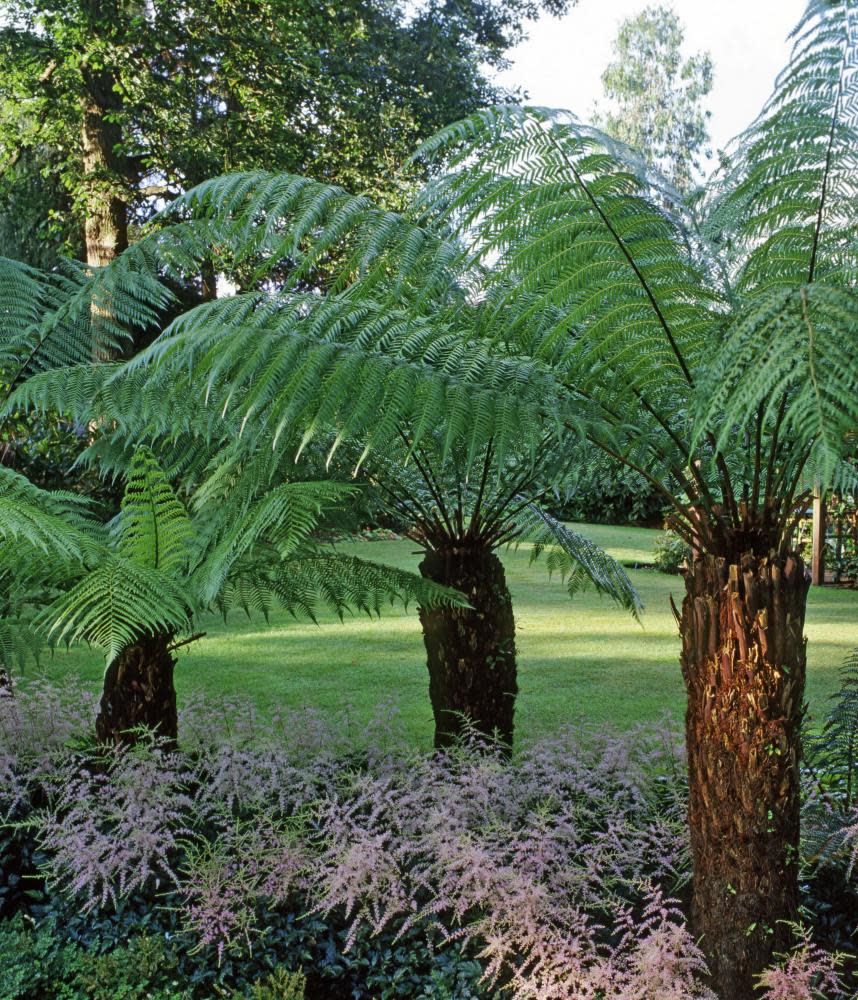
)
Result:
{"points": [[130, 101], [656, 95]]}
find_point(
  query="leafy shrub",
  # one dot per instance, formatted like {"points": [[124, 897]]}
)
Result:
{"points": [[670, 553], [36, 964], [278, 985], [605, 492], [377, 870]]}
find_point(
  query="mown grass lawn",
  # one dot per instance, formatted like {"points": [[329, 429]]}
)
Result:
{"points": [[577, 658]]}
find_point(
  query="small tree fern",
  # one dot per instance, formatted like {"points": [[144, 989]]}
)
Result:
{"points": [[161, 567]]}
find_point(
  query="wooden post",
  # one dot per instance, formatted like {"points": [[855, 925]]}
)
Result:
{"points": [[817, 562]]}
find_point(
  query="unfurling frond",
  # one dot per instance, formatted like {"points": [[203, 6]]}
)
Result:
{"points": [[153, 528], [580, 562]]}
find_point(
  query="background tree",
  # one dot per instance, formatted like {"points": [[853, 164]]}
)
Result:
{"points": [[129, 101], [656, 96]]}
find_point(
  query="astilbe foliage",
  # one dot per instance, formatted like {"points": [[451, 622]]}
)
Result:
{"points": [[555, 868]]}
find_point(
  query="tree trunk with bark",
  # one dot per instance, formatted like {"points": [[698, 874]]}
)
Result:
{"points": [[106, 226], [743, 660], [470, 651], [139, 692]]}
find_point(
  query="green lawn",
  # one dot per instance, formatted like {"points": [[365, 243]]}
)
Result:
{"points": [[576, 658]]}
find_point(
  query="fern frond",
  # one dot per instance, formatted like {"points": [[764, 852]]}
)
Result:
{"points": [[304, 584], [153, 528], [115, 604], [580, 562], [284, 516], [287, 364], [785, 204], [73, 316], [792, 351], [57, 524], [300, 227]]}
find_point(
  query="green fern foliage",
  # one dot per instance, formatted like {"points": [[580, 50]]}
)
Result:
{"points": [[56, 524], [153, 528], [785, 212], [579, 562], [71, 317], [117, 603], [792, 355], [282, 518], [304, 584]]}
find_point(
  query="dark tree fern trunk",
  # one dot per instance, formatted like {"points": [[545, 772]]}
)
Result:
{"points": [[743, 660], [470, 651], [138, 691]]}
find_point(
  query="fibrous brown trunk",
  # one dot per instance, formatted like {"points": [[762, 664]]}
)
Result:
{"points": [[743, 660], [470, 651], [138, 692]]}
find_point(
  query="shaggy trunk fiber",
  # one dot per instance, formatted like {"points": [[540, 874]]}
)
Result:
{"points": [[743, 660], [138, 691], [470, 651]]}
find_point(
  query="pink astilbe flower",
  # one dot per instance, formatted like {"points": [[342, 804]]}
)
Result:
{"points": [[223, 881], [112, 830], [808, 973], [554, 868]]}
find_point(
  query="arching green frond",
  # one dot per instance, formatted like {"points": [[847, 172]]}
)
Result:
{"points": [[304, 229], [115, 604], [153, 528], [579, 253], [283, 516], [580, 562], [307, 365], [793, 354], [784, 207], [78, 315], [54, 523], [307, 583]]}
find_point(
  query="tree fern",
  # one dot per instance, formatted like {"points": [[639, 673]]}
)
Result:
{"points": [[785, 211]]}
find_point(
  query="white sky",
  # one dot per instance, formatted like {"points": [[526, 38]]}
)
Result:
{"points": [[561, 63]]}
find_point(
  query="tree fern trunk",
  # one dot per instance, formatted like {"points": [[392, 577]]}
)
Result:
{"points": [[470, 651], [743, 660], [138, 691]]}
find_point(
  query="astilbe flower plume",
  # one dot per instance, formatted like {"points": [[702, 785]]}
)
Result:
{"points": [[809, 973]]}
